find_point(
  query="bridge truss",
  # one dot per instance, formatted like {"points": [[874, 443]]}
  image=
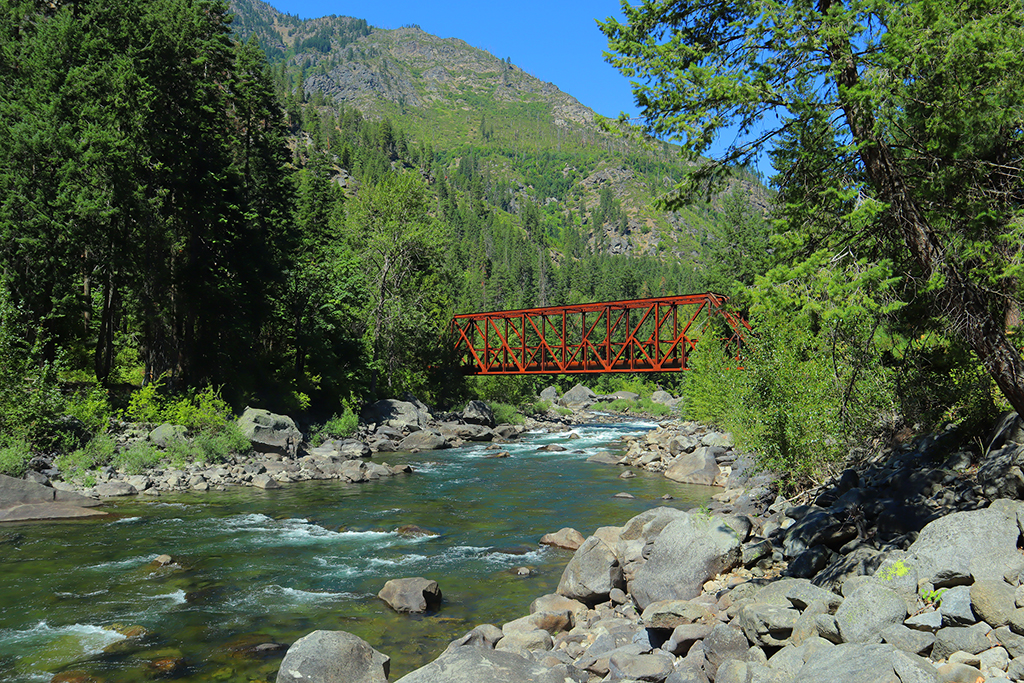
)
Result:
{"points": [[640, 335]]}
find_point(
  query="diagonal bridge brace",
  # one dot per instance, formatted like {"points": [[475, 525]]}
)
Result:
{"points": [[637, 335]]}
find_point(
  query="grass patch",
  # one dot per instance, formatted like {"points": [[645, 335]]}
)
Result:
{"points": [[643, 406], [338, 427]]}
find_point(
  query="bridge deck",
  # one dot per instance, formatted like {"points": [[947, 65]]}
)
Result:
{"points": [[639, 335]]}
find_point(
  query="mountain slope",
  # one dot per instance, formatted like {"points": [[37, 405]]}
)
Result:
{"points": [[527, 134]]}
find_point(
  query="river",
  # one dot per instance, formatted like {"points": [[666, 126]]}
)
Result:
{"points": [[256, 566]]}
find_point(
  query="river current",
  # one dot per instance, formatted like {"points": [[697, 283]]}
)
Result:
{"points": [[254, 566]]}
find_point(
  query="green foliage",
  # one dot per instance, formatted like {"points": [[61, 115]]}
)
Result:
{"points": [[139, 457], [515, 390], [203, 411], [14, 457], [505, 413], [146, 405], [338, 427], [218, 447], [92, 408], [642, 406], [539, 407], [99, 451]]}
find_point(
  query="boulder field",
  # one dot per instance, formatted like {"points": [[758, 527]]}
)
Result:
{"points": [[906, 569]]}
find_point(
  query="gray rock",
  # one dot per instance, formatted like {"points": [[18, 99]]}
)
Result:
{"points": [[22, 492], [566, 538], [809, 562], [415, 594], [525, 641], [592, 573], [423, 440], [699, 467], [684, 636], [970, 639], [767, 625], [908, 639], [733, 671], [270, 433], [851, 663], [391, 412], [642, 667], [1013, 642], [664, 398], [928, 622], [966, 546], [688, 552], [668, 614], [264, 481], [724, 643], [479, 413], [550, 394], [868, 611], [993, 601], [115, 489], [167, 434], [577, 398], [483, 637], [955, 607], [332, 656], [648, 524]]}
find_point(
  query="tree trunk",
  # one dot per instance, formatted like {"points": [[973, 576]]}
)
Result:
{"points": [[969, 308]]}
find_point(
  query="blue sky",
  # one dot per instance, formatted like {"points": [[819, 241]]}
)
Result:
{"points": [[556, 41]]}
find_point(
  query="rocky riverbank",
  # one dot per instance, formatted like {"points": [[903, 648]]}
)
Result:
{"points": [[279, 453], [907, 567]]}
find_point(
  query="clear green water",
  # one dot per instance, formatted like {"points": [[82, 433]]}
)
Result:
{"points": [[270, 566]]}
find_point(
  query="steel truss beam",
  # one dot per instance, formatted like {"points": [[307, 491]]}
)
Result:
{"points": [[640, 335]]}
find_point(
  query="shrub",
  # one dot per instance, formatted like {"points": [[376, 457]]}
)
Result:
{"points": [[539, 407], [506, 414], [146, 405], [141, 456], [205, 410], [14, 457], [91, 408], [217, 447], [97, 452], [337, 427]]}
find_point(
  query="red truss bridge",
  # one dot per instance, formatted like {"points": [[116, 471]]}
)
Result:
{"points": [[641, 335]]}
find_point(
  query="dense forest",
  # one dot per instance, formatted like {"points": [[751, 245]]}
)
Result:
{"points": [[175, 211], [178, 212]]}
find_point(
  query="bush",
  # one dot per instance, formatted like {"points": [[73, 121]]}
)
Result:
{"points": [[97, 452], [145, 404], [205, 410], [217, 447], [337, 427], [506, 414], [141, 456], [539, 407], [91, 408], [14, 457]]}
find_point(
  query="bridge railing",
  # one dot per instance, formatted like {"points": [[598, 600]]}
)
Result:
{"points": [[638, 335]]}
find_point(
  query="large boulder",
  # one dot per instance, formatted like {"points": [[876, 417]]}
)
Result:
{"points": [[550, 395], [687, 553], [566, 537], [967, 546], [269, 432], [478, 413], [411, 595], [698, 467], [332, 657], [578, 398], [167, 434], [22, 492], [592, 573], [398, 414], [868, 611], [423, 440], [856, 663], [469, 664]]}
